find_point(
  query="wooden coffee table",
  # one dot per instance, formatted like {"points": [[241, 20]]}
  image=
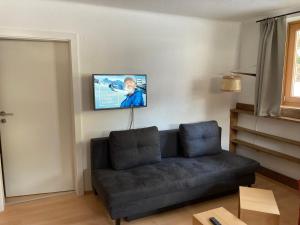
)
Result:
{"points": [[221, 214], [258, 205]]}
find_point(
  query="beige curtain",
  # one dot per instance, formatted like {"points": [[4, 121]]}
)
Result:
{"points": [[270, 67]]}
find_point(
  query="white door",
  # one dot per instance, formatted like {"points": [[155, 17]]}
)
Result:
{"points": [[35, 86]]}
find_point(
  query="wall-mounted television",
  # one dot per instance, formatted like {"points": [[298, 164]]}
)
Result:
{"points": [[119, 91]]}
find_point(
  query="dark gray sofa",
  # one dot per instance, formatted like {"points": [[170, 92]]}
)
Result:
{"points": [[128, 193]]}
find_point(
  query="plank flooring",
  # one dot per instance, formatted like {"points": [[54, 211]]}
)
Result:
{"points": [[68, 209]]}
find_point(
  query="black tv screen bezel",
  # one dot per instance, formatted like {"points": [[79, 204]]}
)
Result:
{"points": [[123, 74]]}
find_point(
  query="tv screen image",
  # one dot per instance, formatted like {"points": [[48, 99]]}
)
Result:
{"points": [[115, 91]]}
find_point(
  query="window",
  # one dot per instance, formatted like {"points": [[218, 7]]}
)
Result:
{"points": [[291, 95]]}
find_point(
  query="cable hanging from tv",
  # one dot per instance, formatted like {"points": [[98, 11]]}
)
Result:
{"points": [[131, 118]]}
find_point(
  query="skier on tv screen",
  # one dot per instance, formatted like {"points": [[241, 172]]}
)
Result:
{"points": [[134, 97]]}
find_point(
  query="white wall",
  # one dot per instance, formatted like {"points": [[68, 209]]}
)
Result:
{"points": [[183, 57], [248, 57]]}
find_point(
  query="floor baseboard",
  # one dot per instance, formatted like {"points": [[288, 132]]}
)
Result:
{"points": [[293, 183], [29, 198]]}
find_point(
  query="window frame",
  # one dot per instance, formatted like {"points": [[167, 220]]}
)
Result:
{"points": [[287, 98]]}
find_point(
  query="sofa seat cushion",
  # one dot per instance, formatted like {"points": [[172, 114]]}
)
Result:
{"points": [[136, 147], [199, 139], [170, 175]]}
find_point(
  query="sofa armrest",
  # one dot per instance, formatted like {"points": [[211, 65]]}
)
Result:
{"points": [[100, 158]]}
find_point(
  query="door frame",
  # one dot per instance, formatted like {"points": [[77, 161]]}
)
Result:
{"points": [[76, 99]]}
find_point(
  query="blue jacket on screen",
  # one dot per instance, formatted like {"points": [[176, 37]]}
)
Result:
{"points": [[134, 100]]}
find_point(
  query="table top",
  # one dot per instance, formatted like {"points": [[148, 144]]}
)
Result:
{"points": [[221, 214], [259, 200]]}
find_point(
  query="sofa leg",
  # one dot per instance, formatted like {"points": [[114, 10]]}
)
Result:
{"points": [[118, 222], [95, 192]]}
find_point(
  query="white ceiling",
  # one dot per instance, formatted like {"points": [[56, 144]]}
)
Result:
{"points": [[236, 10]]}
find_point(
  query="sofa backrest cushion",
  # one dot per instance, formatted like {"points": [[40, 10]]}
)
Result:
{"points": [[170, 146], [169, 143], [131, 148], [200, 139]]}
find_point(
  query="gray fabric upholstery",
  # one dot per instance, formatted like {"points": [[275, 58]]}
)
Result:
{"points": [[173, 180], [157, 203], [100, 158], [169, 143], [200, 138], [131, 148], [171, 175]]}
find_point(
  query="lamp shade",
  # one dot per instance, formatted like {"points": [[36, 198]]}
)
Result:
{"points": [[231, 83]]}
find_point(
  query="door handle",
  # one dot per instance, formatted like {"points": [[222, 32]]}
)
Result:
{"points": [[2, 113]]}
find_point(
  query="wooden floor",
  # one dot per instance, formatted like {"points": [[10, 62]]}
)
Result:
{"points": [[87, 210]]}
